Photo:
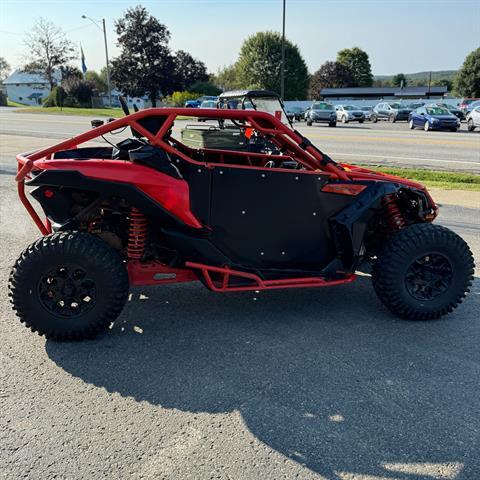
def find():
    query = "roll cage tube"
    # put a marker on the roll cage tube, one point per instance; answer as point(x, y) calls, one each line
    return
point(300, 147)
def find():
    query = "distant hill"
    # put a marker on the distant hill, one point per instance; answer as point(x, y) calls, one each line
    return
point(420, 77)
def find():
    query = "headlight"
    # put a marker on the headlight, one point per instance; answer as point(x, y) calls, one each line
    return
point(434, 120)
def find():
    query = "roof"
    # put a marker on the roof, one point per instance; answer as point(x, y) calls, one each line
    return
point(18, 76)
point(249, 93)
point(394, 91)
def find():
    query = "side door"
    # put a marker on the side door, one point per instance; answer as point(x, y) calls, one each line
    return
point(419, 117)
point(273, 218)
point(381, 110)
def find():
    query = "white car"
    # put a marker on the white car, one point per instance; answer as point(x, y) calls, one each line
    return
point(349, 113)
point(473, 119)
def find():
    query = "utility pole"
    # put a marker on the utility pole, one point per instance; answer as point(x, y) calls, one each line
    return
point(282, 66)
point(103, 28)
point(108, 67)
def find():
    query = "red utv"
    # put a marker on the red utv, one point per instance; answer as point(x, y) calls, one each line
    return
point(150, 210)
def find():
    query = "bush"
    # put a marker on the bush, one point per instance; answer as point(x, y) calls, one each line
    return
point(79, 90)
point(56, 98)
point(178, 99)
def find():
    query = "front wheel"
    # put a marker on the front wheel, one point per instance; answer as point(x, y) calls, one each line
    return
point(392, 118)
point(344, 119)
point(68, 286)
point(470, 125)
point(374, 119)
point(426, 126)
point(411, 124)
point(423, 272)
point(332, 124)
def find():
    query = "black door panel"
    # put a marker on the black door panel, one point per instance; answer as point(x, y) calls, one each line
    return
point(273, 219)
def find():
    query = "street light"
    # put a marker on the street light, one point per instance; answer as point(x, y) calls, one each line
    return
point(106, 53)
point(282, 65)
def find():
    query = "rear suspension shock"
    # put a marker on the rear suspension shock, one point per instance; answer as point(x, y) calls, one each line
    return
point(137, 234)
point(395, 217)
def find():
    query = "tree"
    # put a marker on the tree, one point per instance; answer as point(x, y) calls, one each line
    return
point(48, 49)
point(330, 75)
point(4, 69)
point(227, 78)
point(68, 71)
point(357, 61)
point(205, 88)
point(399, 80)
point(96, 80)
point(259, 62)
point(189, 70)
point(467, 80)
point(145, 65)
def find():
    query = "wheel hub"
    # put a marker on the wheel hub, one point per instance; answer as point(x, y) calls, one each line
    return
point(429, 276)
point(67, 291)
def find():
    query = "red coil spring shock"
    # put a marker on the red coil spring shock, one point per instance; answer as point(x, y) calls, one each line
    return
point(394, 215)
point(137, 234)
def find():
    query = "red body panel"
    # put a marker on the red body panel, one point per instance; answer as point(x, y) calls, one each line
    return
point(171, 193)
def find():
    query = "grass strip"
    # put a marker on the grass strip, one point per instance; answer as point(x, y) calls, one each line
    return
point(434, 178)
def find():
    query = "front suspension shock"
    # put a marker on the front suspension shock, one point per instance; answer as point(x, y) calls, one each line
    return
point(395, 218)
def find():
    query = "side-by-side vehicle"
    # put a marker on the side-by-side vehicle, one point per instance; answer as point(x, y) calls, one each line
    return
point(150, 210)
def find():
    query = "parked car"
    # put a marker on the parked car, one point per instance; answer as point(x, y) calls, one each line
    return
point(196, 103)
point(295, 113)
point(416, 105)
point(321, 112)
point(349, 113)
point(473, 119)
point(452, 109)
point(433, 118)
point(466, 105)
point(391, 111)
point(367, 111)
point(207, 104)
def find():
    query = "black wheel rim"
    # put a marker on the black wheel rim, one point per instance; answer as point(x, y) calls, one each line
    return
point(67, 291)
point(429, 276)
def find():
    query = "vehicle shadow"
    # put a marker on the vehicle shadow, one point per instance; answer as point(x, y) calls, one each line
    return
point(324, 376)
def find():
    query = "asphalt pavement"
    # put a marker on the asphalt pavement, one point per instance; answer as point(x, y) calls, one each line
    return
point(381, 143)
point(189, 384)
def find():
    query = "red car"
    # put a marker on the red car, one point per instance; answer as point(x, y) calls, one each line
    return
point(150, 210)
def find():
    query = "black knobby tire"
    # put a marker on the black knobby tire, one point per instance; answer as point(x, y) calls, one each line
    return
point(68, 286)
point(392, 275)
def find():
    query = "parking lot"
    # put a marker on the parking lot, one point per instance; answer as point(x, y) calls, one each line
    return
point(309, 384)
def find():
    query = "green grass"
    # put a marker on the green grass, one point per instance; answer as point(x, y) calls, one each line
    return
point(435, 179)
point(14, 104)
point(106, 112)
point(94, 112)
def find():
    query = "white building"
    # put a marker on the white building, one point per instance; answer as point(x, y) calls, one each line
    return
point(140, 102)
point(28, 88)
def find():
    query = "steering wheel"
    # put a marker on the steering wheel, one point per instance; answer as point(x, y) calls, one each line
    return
point(124, 105)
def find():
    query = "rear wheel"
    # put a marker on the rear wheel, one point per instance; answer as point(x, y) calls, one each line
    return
point(68, 286)
point(392, 118)
point(360, 121)
point(332, 124)
point(374, 119)
point(423, 272)
point(309, 122)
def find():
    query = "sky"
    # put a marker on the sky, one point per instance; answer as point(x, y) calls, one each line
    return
point(399, 35)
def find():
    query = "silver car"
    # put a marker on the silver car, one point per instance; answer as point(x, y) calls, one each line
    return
point(473, 119)
point(349, 113)
point(321, 112)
